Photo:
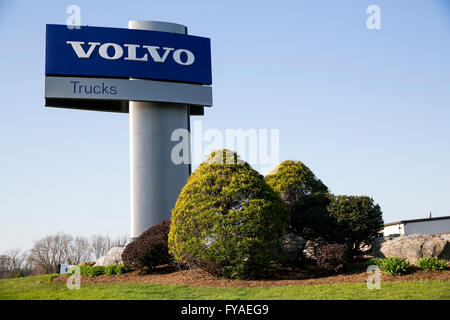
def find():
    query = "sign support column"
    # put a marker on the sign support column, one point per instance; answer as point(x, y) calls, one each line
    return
point(155, 181)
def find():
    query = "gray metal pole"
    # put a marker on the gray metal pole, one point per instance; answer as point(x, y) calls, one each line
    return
point(155, 180)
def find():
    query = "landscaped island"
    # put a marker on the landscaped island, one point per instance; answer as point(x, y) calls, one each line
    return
point(235, 234)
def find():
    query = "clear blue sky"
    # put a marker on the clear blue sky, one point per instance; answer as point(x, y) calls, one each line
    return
point(367, 111)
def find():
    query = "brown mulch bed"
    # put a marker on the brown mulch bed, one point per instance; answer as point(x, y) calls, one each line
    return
point(300, 275)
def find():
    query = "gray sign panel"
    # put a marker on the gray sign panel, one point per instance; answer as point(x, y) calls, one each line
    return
point(127, 90)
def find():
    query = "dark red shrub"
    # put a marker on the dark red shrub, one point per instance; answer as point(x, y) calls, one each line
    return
point(332, 257)
point(149, 249)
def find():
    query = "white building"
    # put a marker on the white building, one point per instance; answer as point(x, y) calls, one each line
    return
point(418, 226)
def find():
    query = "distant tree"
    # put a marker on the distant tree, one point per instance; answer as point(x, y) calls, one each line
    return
point(80, 250)
point(3, 266)
point(48, 253)
point(101, 244)
point(16, 259)
point(119, 241)
point(13, 264)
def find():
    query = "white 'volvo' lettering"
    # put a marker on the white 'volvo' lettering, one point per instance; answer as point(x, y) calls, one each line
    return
point(114, 51)
point(76, 45)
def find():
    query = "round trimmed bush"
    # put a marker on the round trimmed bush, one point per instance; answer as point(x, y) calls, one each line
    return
point(149, 249)
point(223, 156)
point(227, 220)
point(292, 180)
point(357, 220)
point(310, 217)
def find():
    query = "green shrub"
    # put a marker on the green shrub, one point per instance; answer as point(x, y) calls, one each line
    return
point(356, 219)
point(310, 218)
point(120, 269)
point(223, 156)
point(113, 269)
point(316, 214)
point(97, 271)
point(431, 263)
point(94, 271)
point(227, 220)
point(85, 270)
point(349, 220)
point(292, 180)
point(395, 266)
point(375, 262)
point(110, 270)
point(89, 270)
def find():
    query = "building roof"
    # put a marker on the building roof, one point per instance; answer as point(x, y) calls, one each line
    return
point(416, 220)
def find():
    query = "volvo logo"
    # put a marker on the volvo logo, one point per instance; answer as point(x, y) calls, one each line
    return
point(114, 51)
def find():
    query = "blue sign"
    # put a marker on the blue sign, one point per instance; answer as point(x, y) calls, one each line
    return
point(125, 53)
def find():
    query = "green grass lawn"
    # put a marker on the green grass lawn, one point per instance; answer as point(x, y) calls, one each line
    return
point(39, 287)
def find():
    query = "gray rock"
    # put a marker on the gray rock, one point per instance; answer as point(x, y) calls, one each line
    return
point(292, 247)
point(413, 247)
point(113, 256)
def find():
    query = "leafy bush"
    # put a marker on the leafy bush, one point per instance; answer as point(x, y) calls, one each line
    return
point(395, 266)
point(223, 156)
point(120, 269)
point(332, 257)
point(292, 180)
point(227, 220)
point(431, 263)
point(94, 271)
point(310, 218)
point(149, 250)
point(314, 213)
point(85, 270)
point(347, 220)
point(375, 262)
point(114, 269)
point(97, 271)
point(110, 270)
point(356, 220)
